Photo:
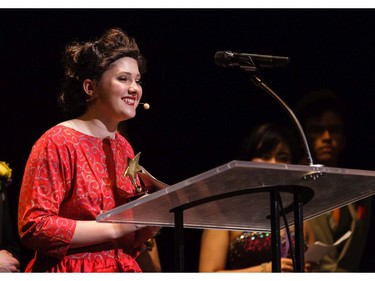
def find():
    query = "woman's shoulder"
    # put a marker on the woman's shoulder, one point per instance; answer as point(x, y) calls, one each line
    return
point(58, 130)
point(58, 135)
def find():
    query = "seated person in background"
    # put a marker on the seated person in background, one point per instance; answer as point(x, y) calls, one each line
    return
point(321, 114)
point(239, 251)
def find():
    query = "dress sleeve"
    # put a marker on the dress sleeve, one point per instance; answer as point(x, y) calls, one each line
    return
point(44, 186)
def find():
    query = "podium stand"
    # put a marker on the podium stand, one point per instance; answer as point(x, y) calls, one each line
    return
point(241, 195)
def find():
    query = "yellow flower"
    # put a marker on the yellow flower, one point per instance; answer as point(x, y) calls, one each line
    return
point(5, 171)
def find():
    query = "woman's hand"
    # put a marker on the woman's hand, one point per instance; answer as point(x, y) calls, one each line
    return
point(8, 263)
point(145, 233)
point(312, 267)
point(286, 265)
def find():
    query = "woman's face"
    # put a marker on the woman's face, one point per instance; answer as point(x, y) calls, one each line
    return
point(280, 154)
point(119, 90)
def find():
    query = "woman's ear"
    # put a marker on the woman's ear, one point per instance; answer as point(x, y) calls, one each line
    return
point(88, 87)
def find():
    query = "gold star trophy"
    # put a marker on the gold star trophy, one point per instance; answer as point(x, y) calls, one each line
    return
point(148, 182)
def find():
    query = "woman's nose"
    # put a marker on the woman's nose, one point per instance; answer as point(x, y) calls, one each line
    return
point(326, 134)
point(133, 90)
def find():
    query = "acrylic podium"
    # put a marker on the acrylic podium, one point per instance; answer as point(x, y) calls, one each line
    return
point(242, 195)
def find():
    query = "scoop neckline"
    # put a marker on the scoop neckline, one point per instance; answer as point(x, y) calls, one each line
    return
point(84, 134)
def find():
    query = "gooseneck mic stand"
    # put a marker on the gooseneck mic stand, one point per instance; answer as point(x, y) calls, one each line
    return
point(259, 83)
point(251, 64)
point(275, 196)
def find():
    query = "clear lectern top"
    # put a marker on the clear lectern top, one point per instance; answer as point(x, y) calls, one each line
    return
point(248, 207)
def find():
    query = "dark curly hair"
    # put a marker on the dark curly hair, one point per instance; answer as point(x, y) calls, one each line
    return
point(264, 138)
point(89, 60)
point(315, 103)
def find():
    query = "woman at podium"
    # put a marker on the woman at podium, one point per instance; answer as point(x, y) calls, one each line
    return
point(83, 166)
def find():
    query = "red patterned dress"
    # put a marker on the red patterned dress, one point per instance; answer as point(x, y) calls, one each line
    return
point(71, 176)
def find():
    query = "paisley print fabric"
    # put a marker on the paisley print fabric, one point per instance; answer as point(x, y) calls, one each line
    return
point(71, 176)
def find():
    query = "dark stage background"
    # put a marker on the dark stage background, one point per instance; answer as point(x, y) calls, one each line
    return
point(199, 111)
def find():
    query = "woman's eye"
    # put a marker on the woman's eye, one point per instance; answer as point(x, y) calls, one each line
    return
point(123, 78)
point(139, 82)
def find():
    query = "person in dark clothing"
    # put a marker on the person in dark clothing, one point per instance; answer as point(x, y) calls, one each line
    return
point(323, 114)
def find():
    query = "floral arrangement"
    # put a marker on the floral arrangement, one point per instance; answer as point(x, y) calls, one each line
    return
point(5, 175)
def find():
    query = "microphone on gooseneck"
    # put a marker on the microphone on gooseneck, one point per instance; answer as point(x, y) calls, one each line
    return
point(243, 60)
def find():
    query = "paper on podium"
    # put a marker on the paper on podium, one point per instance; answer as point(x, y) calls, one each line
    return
point(319, 249)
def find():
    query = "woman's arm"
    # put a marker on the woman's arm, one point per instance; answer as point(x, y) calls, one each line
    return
point(91, 232)
point(214, 249)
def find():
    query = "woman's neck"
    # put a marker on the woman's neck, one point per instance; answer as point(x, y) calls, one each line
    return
point(92, 127)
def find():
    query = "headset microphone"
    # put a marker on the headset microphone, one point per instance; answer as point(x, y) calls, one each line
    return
point(145, 105)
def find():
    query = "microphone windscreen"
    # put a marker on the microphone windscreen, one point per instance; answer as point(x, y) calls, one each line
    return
point(219, 58)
